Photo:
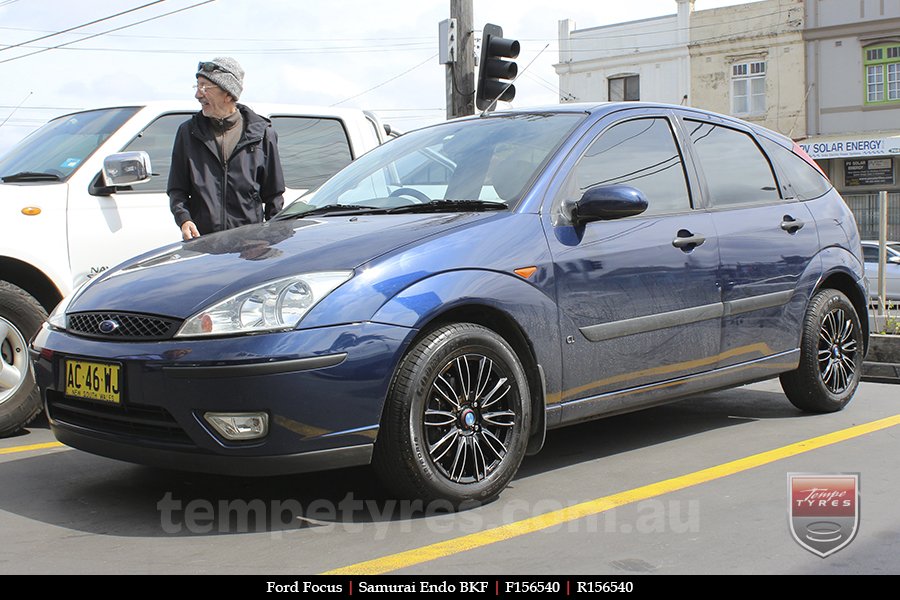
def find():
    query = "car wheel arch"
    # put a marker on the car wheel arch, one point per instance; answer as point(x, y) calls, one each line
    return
point(506, 327)
point(844, 283)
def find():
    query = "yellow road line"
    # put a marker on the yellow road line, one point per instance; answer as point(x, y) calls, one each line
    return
point(431, 552)
point(15, 449)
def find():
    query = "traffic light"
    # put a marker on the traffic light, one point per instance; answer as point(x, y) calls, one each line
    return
point(495, 72)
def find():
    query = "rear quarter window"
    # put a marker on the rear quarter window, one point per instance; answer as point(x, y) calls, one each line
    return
point(807, 182)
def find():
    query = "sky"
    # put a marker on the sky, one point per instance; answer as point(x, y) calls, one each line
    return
point(380, 56)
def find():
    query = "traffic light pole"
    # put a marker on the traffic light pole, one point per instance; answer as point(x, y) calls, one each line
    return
point(461, 73)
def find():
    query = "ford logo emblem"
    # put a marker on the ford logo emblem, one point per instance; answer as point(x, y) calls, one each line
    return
point(108, 326)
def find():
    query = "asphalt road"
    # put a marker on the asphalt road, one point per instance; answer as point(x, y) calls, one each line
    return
point(696, 487)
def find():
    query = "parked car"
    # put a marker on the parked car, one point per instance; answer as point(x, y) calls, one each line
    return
point(450, 296)
point(64, 222)
point(891, 268)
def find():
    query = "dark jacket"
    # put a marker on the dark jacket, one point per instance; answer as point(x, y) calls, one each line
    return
point(214, 196)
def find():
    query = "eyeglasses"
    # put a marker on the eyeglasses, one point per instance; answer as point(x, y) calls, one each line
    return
point(203, 87)
point(209, 67)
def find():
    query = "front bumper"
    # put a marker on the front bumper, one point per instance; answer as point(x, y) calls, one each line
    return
point(323, 389)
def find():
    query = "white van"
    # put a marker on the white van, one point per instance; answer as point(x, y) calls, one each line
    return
point(61, 223)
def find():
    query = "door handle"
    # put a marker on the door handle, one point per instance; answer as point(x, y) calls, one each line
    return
point(687, 241)
point(790, 224)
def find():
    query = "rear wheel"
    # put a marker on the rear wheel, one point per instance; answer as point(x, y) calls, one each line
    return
point(20, 318)
point(831, 355)
point(456, 421)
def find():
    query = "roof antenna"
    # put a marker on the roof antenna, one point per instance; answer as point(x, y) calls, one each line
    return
point(493, 102)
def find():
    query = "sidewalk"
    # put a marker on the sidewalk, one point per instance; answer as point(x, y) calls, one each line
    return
point(882, 362)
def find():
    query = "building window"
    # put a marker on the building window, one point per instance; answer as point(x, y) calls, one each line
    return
point(626, 88)
point(748, 88)
point(882, 65)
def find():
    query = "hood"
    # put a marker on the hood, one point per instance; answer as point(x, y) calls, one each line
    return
point(179, 280)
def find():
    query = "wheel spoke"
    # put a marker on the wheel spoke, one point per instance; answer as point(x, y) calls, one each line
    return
point(841, 377)
point(848, 363)
point(465, 379)
point(489, 398)
point(446, 441)
point(4, 330)
point(478, 459)
point(485, 367)
point(828, 373)
point(459, 460)
point(10, 376)
point(825, 333)
point(439, 418)
point(494, 443)
point(502, 418)
point(448, 397)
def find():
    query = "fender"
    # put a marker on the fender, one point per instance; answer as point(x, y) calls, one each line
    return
point(525, 305)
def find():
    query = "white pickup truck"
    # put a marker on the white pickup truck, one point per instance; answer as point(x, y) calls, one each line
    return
point(61, 222)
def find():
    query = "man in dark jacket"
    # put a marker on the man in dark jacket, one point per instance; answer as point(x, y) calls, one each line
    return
point(226, 171)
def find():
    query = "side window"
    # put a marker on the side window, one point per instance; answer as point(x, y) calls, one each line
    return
point(311, 150)
point(736, 170)
point(807, 182)
point(641, 153)
point(157, 140)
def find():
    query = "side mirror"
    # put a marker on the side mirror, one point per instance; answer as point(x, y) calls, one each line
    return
point(126, 168)
point(607, 202)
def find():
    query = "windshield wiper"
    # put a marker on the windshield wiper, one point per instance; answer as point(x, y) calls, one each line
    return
point(30, 176)
point(334, 209)
point(450, 206)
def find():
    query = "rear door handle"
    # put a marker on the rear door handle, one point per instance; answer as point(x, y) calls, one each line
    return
point(790, 224)
point(687, 241)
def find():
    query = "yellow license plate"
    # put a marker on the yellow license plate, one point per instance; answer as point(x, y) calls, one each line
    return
point(96, 381)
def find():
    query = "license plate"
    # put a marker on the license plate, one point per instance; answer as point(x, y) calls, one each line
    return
point(95, 381)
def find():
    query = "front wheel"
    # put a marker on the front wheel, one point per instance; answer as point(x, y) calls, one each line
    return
point(456, 423)
point(20, 318)
point(831, 355)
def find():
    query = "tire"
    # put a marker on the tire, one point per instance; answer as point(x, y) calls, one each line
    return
point(455, 425)
point(831, 355)
point(20, 318)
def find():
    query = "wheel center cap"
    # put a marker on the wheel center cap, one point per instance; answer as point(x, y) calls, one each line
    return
point(468, 418)
point(837, 352)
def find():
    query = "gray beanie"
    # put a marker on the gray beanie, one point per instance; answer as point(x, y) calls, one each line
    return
point(225, 72)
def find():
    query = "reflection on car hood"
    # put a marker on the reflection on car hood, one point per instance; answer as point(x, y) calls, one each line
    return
point(181, 279)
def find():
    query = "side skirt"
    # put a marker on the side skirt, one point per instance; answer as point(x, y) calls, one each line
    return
point(663, 392)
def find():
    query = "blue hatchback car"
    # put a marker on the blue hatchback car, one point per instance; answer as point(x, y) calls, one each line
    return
point(447, 298)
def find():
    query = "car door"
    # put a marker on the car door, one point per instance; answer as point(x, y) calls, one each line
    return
point(767, 241)
point(106, 229)
point(638, 300)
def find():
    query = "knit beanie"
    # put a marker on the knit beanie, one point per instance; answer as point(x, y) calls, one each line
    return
point(225, 72)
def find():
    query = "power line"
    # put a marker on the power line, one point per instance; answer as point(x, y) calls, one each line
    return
point(49, 35)
point(109, 31)
point(387, 81)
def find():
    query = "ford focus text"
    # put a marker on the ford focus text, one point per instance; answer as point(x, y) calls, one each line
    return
point(450, 296)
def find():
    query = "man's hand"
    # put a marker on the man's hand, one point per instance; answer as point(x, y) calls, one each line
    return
point(189, 231)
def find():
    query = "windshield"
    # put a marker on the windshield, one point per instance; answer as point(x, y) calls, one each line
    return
point(490, 160)
point(54, 151)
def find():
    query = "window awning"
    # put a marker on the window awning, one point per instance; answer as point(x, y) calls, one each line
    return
point(849, 145)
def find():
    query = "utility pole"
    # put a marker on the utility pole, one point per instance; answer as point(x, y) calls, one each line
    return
point(460, 81)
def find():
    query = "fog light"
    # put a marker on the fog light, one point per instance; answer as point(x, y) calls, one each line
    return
point(239, 426)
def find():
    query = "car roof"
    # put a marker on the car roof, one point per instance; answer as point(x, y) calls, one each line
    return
point(604, 108)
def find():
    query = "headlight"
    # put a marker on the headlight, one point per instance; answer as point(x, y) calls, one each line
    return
point(57, 318)
point(275, 305)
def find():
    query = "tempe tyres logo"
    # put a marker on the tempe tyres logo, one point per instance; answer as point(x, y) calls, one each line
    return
point(824, 510)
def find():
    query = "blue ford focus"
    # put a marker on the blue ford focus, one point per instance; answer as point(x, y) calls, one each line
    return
point(446, 299)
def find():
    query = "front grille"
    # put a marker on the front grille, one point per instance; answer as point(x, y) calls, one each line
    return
point(122, 326)
point(133, 420)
